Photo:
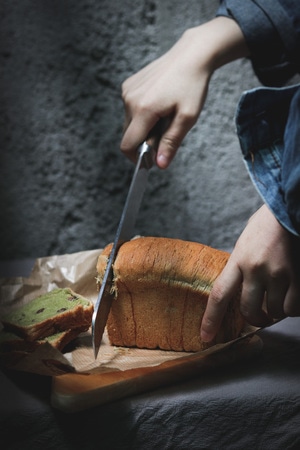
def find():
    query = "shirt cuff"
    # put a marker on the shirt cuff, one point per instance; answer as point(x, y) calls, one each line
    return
point(267, 52)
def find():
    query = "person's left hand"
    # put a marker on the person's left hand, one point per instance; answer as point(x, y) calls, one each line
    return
point(263, 265)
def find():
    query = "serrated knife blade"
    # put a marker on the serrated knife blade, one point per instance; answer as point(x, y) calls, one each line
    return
point(146, 155)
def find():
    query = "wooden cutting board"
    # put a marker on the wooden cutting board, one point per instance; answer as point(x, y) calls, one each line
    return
point(78, 391)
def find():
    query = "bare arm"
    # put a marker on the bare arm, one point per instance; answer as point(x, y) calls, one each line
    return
point(175, 86)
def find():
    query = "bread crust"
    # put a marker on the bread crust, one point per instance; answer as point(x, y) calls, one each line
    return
point(161, 287)
point(72, 311)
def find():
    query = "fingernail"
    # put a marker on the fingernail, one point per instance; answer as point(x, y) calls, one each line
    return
point(162, 161)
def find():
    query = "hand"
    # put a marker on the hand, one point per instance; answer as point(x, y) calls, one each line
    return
point(174, 87)
point(264, 266)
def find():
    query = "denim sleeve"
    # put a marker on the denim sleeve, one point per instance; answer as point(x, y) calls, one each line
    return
point(267, 123)
point(290, 172)
point(272, 32)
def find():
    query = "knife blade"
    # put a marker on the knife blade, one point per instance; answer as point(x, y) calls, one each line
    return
point(146, 156)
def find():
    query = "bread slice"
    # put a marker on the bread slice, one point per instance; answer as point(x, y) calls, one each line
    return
point(161, 287)
point(62, 339)
point(10, 342)
point(50, 313)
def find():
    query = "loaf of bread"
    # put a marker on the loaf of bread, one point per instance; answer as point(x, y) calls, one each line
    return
point(160, 289)
point(50, 313)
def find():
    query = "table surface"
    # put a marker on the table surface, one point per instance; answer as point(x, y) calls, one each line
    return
point(254, 404)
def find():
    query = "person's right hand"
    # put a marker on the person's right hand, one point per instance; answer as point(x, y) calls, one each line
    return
point(174, 86)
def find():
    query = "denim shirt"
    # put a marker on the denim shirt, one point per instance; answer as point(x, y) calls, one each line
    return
point(268, 118)
point(272, 31)
point(268, 127)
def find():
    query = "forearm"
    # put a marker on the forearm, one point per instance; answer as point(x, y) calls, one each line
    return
point(219, 41)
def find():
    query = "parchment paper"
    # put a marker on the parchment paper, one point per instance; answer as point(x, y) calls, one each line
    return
point(77, 271)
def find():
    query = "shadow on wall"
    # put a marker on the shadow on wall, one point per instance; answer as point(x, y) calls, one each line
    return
point(63, 178)
point(62, 174)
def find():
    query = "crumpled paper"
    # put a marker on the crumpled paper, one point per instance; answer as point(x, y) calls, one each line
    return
point(77, 271)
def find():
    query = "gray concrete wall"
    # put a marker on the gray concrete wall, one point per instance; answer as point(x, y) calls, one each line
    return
point(63, 180)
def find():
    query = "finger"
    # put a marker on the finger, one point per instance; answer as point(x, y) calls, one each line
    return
point(291, 305)
point(251, 302)
point(292, 298)
point(172, 138)
point(127, 120)
point(275, 297)
point(224, 289)
point(136, 133)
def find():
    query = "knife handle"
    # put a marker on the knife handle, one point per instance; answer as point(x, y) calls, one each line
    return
point(149, 147)
point(146, 155)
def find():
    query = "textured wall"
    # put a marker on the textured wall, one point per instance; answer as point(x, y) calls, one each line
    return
point(63, 179)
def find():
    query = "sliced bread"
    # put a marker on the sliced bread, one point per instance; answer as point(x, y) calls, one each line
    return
point(49, 314)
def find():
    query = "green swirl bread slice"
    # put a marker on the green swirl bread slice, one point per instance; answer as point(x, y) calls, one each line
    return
point(50, 313)
point(10, 342)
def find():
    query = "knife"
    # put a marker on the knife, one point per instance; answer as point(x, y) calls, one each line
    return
point(146, 157)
